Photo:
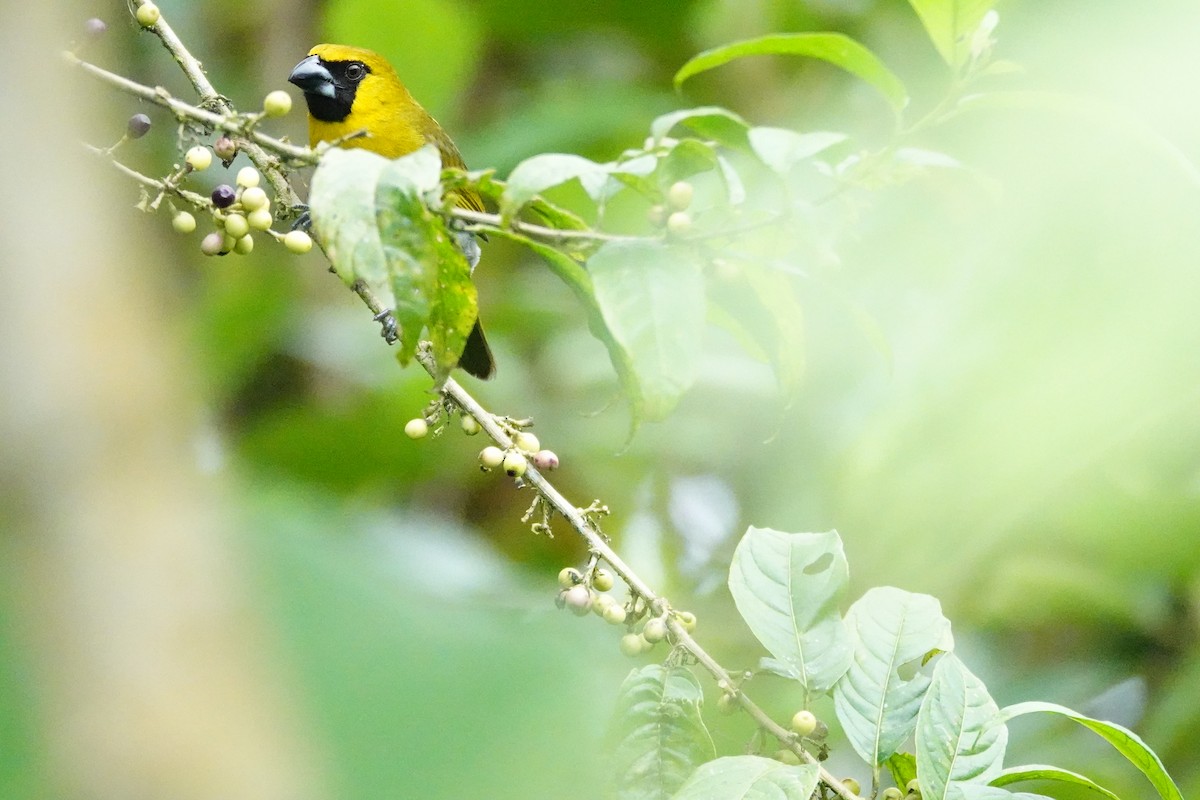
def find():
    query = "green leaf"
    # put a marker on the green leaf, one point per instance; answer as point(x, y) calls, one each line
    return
point(658, 737)
point(371, 215)
point(787, 586)
point(950, 24)
point(539, 173)
point(960, 736)
point(1127, 743)
point(721, 125)
point(903, 767)
point(1045, 772)
point(979, 791)
point(834, 48)
point(750, 778)
point(878, 698)
point(577, 279)
point(652, 299)
point(781, 149)
point(429, 276)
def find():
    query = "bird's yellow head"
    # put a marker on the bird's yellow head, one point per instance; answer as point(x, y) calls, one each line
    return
point(350, 89)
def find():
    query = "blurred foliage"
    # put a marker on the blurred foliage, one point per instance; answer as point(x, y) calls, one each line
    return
point(998, 404)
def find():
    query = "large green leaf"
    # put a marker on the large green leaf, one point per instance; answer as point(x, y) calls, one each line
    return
point(981, 791)
point(961, 736)
point(781, 148)
point(371, 216)
point(658, 736)
point(750, 778)
point(878, 698)
point(1045, 772)
point(652, 299)
point(1128, 743)
point(834, 48)
point(541, 172)
point(787, 587)
point(710, 122)
point(950, 24)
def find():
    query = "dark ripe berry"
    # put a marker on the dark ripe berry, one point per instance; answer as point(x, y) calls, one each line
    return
point(225, 148)
point(139, 125)
point(223, 196)
point(95, 26)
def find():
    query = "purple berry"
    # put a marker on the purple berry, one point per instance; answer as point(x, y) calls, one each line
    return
point(95, 26)
point(139, 125)
point(223, 196)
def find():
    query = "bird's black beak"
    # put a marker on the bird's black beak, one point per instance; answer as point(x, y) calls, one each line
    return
point(313, 78)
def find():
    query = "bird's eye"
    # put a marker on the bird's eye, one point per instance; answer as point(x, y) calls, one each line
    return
point(356, 72)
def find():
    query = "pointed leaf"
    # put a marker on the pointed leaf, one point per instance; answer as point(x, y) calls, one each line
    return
point(750, 778)
point(541, 172)
point(960, 734)
point(1045, 772)
point(878, 698)
point(781, 149)
point(903, 767)
point(787, 587)
point(1128, 743)
point(658, 737)
point(950, 24)
point(652, 299)
point(710, 122)
point(834, 48)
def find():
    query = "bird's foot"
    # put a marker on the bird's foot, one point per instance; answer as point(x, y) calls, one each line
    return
point(388, 324)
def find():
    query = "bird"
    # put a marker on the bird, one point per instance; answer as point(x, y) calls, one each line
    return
point(351, 90)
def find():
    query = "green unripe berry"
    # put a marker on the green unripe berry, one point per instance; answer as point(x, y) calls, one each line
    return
point(148, 14)
point(614, 614)
point(657, 215)
point(892, 793)
point(852, 785)
point(470, 425)
point(416, 428)
point(514, 464)
point(199, 157)
point(491, 457)
point(601, 603)
point(913, 787)
point(260, 219)
point(804, 722)
point(679, 196)
point(298, 242)
point(727, 704)
point(236, 226)
point(244, 245)
point(277, 103)
point(679, 222)
point(687, 619)
point(602, 580)
point(787, 757)
point(526, 442)
point(632, 644)
point(655, 630)
point(567, 576)
point(183, 222)
point(247, 177)
point(212, 244)
point(254, 198)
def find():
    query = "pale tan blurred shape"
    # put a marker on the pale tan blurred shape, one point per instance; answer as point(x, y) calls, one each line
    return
point(154, 674)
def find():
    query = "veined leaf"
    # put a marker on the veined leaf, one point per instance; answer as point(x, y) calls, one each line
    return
point(834, 48)
point(710, 122)
point(787, 586)
point(1045, 772)
point(658, 735)
point(950, 24)
point(539, 173)
point(961, 736)
point(652, 300)
point(749, 778)
point(1127, 743)
point(878, 698)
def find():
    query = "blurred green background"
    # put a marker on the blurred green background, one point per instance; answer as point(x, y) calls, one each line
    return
point(1000, 405)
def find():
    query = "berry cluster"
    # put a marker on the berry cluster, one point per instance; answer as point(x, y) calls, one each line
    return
point(673, 213)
